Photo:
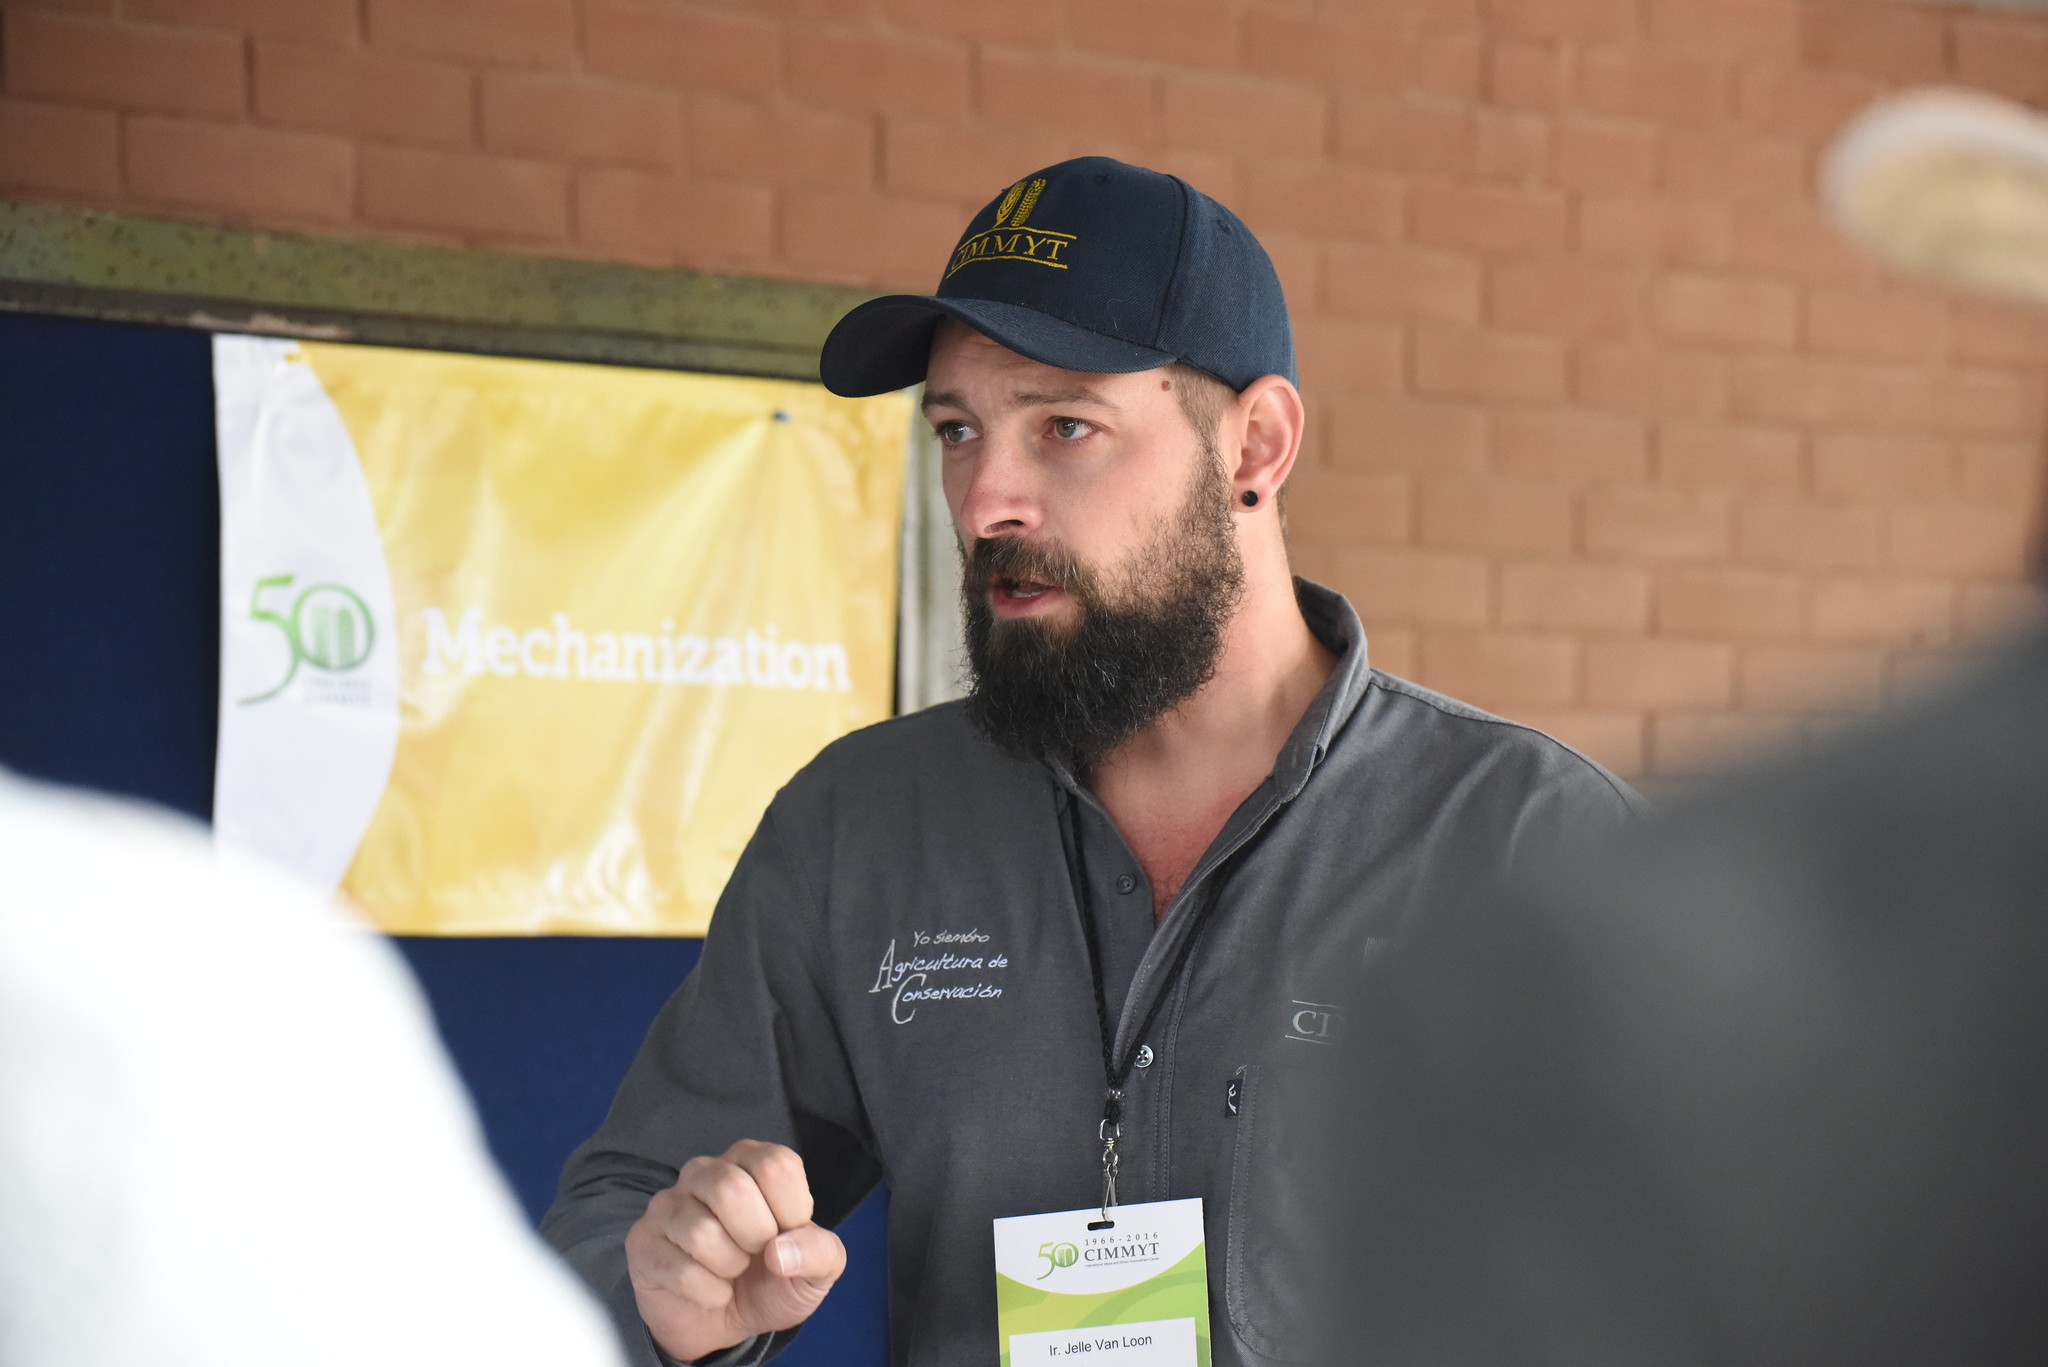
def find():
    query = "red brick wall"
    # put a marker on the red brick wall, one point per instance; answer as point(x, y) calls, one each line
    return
point(1609, 432)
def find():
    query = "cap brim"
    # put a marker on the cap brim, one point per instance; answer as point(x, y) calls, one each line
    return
point(1948, 184)
point(886, 343)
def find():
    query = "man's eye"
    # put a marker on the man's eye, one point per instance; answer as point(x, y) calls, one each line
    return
point(953, 433)
point(1070, 429)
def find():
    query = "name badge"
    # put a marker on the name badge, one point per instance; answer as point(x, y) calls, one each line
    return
point(1134, 1294)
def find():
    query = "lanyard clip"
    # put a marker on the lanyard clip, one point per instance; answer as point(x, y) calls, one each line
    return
point(1108, 1132)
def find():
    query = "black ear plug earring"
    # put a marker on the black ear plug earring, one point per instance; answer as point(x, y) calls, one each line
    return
point(1251, 498)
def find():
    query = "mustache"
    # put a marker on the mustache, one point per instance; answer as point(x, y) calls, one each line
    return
point(1011, 557)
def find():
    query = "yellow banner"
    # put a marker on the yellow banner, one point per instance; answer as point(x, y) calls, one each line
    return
point(626, 606)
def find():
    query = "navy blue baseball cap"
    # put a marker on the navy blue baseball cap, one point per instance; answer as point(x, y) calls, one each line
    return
point(1090, 265)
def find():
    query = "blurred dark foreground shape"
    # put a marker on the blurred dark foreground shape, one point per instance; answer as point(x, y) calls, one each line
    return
point(1767, 1083)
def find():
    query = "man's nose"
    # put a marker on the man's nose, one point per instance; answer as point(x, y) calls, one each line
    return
point(1002, 496)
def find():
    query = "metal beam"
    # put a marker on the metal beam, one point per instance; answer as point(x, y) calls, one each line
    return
point(92, 263)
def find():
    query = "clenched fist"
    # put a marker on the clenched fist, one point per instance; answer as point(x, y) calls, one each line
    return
point(729, 1251)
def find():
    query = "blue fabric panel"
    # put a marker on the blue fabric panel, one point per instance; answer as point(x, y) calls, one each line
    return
point(109, 674)
point(109, 558)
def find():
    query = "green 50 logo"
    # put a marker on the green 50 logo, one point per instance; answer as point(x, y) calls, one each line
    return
point(327, 626)
point(1057, 1256)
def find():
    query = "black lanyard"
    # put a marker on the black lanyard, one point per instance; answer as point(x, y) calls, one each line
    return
point(1116, 1072)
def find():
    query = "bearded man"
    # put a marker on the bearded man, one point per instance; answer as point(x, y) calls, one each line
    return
point(1071, 941)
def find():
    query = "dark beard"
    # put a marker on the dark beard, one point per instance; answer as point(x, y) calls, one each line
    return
point(1074, 691)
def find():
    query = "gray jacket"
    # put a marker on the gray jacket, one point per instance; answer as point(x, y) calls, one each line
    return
point(897, 985)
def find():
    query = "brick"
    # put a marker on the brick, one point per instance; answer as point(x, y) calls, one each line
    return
point(59, 149)
point(1734, 166)
point(1178, 33)
point(1712, 456)
point(1652, 524)
point(1659, 674)
point(2005, 474)
point(1494, 515)
point(1384, 434)
point(1497, 670)
point(1510, 146)
point(1470, 363)
point(696, 51)
point(1527, 75)
point(1392, 133)
point(522, 33)
point(1885, 610)
point(1447, 65)
point(465, 193)
point(1660, 88)
point(1570, 447)
point(1989, 403)
point(738, 140)
point(1818, 391)
point(1347, 509)
point(362, 93)
point(1800, 102)
point(553, 116)
point(1397, 283)
point(238, 168)
point(936, 159)
point(1564, 298)
point(1106, 101)
point(1604, 154)
point(1965, 540)
point(1574, 597)
point(1793, 243)
point(865, 237)
point(1861, 467)
point(1487, 219)
point(1905, 325)
point(1991, 609)
point(1582, 20)
point(1029, 25)
point(1998, 333)
point(1350, 356)
point(1744, 30)
point(1648, 231)
point(1803, 535)
point(1363, 52)
point(1613, 739)
point(1316, 197)
point(1730, 604)
point(870, 74)
point(1702, 308)
point(1394, 650)
point(1410, 586)
point(1235, 115)
point(666, 219)
point(130, 67)
point(1893, 42)
point(1659, 381)
point(332, 21)
point(1683, 743)
point(2008, 55)
point(1808, 677)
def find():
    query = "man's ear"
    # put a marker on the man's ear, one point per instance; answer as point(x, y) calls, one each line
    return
point(1270, 415)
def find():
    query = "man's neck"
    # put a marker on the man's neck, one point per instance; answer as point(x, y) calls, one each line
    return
point(1171, 787)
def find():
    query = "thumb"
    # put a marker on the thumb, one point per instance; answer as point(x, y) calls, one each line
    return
point(809, 1253)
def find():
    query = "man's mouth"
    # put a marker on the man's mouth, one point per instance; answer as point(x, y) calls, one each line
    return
point(1020, 588)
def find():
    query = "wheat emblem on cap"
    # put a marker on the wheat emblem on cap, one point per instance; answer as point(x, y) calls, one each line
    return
point(1028, 191)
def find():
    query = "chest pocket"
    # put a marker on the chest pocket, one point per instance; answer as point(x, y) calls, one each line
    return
point(1275, 1209)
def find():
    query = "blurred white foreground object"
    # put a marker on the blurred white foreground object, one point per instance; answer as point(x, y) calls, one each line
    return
point(228, 1135)
point(1950, 184)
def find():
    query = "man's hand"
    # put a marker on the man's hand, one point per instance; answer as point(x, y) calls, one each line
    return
point(729, 1251)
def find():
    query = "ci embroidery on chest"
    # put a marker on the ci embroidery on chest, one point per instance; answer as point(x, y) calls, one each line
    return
point(940, 967)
